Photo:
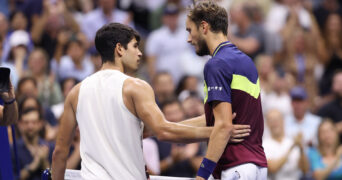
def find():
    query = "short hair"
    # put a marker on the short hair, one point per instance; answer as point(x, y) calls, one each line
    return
point(109, 36)
point(29, 110)
point(208, 11)
point(170, 101)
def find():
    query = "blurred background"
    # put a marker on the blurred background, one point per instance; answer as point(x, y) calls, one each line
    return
point(296, 46)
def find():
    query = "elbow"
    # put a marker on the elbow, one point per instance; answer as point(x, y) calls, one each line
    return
point(164, 133)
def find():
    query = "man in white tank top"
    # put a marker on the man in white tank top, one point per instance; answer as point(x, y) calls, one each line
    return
point(109, 108)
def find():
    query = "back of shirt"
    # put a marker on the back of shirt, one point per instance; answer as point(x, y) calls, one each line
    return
point(231, 76)
point(111, 146)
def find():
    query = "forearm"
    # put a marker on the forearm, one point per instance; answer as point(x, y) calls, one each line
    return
point(175, 132)
point(74, 159)
point(71, 21)
point(59, 160)
point(275, 165)
point(30, 168)
point(196, 121)
point(10, 114)
point(218, 141)
point(38, 28)
point(303, 161)
point(324, 173)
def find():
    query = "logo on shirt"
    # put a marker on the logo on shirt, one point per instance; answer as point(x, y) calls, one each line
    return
point(215, 88)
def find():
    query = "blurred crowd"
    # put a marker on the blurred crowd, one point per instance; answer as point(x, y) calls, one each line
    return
point(295, 44)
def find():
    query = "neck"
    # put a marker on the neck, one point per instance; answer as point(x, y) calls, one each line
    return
point(299, 117)
point(112, 66)
point(328, 150)
point(278, 137)
point(214, 40)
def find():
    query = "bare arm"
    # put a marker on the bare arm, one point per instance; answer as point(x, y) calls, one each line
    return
point(248, 45)
point(8, 112)
point(275, 165)
point(65, 135)
point(239, 131)
point(151, 66)
point(324, 173)
point(222, 131)
point(142, 97)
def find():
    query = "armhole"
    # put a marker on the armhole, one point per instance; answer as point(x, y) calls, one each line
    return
point(122, 99)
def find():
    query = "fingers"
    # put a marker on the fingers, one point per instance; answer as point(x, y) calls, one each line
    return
point(234, 115)
point(240, 135)
point(233, 140)
point(241, 131)
point(240, 126)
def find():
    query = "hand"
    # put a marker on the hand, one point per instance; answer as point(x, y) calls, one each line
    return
point(10, 95)
point(298, 139)
point(199, 178)
point(176, 153)
point(239, 132)
point(43, 152)
point(19, 53)
point(63, 37)
point(339, 151)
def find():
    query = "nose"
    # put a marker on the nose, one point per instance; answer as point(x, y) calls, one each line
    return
point(139, 53)
point(189, 39)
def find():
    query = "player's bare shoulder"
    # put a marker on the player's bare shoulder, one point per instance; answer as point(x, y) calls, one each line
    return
point(136, 87)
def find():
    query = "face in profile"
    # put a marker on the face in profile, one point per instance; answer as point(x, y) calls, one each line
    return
point(131, 56)
point(195, 38)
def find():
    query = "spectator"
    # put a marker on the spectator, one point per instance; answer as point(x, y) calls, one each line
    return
point(163, 87)
point(49, 92)
point(249, 36)
point(189, 83)
point(333, 110)
point(286, 158)
point(192, 105)
point(66, 85)
point(54, 18)
point(326, 8)
point(301, 121)
point(177, 159)
point(326, 158)
point(34, 153)
point(18, 52)
point(104, 14)
point(278, 97)
point(49, 131)
point(76, 63)
point(330, 51)
point(166, 45)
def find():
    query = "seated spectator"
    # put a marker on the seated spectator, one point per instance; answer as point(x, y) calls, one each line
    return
point(333, 110)
point(326, 159)
point(106, 12)
point(50, 128)
point(330, 51)
point(66, 85)
point(33, 152)
point(301, 121)
point(177, 159)
point(286, 159)
point(166, 46)
point(189, 83)
point(18, 53)
point(49, 92)
point(249, 36)
point(76, 63)
point(163, 87)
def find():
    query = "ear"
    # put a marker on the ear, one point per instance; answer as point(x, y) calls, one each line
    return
point(204, 27)
point(119, 49)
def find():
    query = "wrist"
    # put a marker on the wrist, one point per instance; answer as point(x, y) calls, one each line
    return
point(206, 169)
point(10, 101)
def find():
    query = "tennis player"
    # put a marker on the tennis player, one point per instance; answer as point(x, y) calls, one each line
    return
point(231, 85)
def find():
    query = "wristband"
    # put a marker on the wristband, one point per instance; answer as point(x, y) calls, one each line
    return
point(207, 167)
point(10, 102)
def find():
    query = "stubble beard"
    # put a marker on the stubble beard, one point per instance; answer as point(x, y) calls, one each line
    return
point(203, 49)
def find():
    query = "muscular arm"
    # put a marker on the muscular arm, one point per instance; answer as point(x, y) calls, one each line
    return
point(65, 135)
point(222, 130)
point(198, 121)
point(142, 97)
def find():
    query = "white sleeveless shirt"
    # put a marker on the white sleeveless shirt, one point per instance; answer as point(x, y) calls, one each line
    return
point(111, 136)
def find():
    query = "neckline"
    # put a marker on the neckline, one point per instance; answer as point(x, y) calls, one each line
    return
point(221, 45)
